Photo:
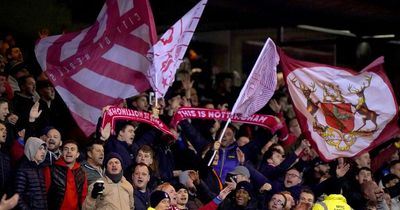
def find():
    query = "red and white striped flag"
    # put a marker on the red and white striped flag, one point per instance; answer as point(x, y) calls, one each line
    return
point(103, 63)
point(170, 49)
point(261, 83)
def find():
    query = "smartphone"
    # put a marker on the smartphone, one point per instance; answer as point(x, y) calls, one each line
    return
point(151, 98)
point(229, 176)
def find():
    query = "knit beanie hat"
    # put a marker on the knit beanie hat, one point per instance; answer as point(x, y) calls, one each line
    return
point(111, 155)
point(32, 145)
point(156, 197)
point(245, 186)
point(114, 177)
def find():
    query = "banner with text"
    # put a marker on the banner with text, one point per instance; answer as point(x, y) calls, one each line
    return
point(117, 113)
point(267, 121)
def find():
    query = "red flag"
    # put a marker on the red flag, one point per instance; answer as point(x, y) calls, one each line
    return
point(170, 49)
point(102, 64)
point(261, 83)
point(343, 112)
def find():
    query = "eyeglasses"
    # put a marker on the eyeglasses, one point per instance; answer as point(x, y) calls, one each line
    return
point(292, 175)
point(277, 201)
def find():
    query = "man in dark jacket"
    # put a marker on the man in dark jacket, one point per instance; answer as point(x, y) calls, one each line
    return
point(140, 179)
point(30, 178)
point(121, 144)
point(65, 180)
point(5, 168)
point(93, 165)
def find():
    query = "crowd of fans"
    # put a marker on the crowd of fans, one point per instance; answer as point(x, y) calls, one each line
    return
point(43, 166)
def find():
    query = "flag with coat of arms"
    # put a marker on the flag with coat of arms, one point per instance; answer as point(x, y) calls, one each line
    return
point(342, 111)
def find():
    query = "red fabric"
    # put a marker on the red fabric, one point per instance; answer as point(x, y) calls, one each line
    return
point(287, 139)
point(209, 206)
point(17, 152)
point(383, 157)
point(71, 199)
point(267, 121)
point(9, 94)
point(117, 113)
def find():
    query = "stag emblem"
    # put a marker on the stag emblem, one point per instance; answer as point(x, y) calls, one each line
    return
point(337, 126)
point(361, 108)
point(312, 107)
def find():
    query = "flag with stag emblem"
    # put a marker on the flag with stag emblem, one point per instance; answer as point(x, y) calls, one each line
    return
point(102, 64)
point(170, 49)
point(342, 111)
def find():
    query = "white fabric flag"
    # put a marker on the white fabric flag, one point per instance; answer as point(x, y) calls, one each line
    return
point(261, 83)
point(168, 52)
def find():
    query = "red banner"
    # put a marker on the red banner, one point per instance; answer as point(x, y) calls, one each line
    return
point(267, 121)
point(117, 113)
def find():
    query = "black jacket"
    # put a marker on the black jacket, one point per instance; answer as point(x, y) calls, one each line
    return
point(30, 186)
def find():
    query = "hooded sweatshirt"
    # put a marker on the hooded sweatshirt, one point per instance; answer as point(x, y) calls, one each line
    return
point(32, 145)
point(29, 179)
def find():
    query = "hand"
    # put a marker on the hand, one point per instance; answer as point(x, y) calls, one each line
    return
point(240, 156)
point(177, 173)
point(6, 204)
point(266, 187)
point(12, 119)
point(97, 189)
point(225, 192)
point(35, 112)
point(194, 175)
point(106, 108)
point(186, 101)
point(342, 168)
point(379, 193)
point(155, 111)
point(105, 132)
point(187, 84)
point(217, 145)
point(304, 145)
point(275, 106)
point(43, 33)
point(231, 184)
point(272, 141)
point(21, 133)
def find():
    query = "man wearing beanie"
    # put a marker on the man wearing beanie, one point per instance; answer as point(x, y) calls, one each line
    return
point(243, 199)
point(112, 191)
point(159, 200)
point(29, 181)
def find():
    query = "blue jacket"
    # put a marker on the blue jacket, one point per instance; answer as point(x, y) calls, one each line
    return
point(142, 200)
point(227, 161)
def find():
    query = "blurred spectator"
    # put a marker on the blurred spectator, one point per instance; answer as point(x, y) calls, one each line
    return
point(93, 165)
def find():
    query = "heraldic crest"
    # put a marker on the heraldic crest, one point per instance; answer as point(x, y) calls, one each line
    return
point(338, 127)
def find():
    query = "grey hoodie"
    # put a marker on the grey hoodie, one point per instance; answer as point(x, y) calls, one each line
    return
point(32, 145)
